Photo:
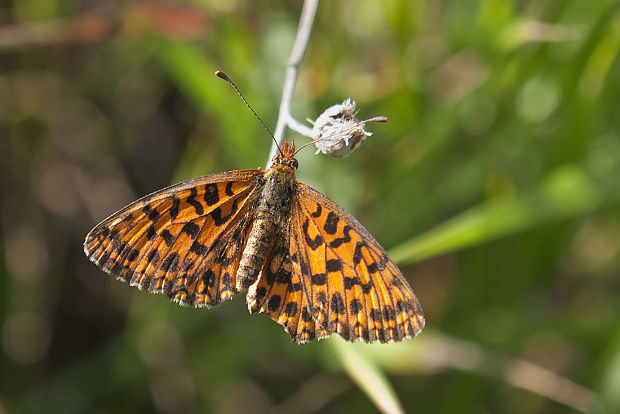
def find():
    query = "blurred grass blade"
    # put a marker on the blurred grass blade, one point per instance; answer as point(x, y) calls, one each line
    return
point(189, 69)
point(367, 375)
point(610, 383)
point(192, 73)
point(434, 352)
point(568, 191)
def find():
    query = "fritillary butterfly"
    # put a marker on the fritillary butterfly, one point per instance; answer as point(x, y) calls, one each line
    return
point(305, 261)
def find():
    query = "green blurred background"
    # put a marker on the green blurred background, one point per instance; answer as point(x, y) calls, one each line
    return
point(495, 185)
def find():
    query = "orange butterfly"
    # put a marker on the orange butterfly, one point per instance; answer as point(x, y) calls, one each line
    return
point(306, 262)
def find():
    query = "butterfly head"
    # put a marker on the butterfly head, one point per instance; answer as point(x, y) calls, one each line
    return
point(286, 156)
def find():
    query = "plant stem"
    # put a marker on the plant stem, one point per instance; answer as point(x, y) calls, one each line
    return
point(301, 41)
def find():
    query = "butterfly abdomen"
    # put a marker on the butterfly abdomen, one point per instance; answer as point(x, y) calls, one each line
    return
point(273, 209)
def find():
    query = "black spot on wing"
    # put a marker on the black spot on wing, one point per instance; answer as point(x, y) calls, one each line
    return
point(349, 282)
point(291, 309)
point(305, 315)
point(312, 243)
point(357, 255)
point(282, 276)
point(152, 214)
point(318, 211)
point(304, 267)
point(375, 314)
point(209, 278)
point(388, 313)
point(211, 194)
point(229, 192)
point(198, 248)
point(227, 280)
point(170, 263)
point(191, 229)
point(396, 282)
point(340, 240)
point(168, 237)
point(153, 256)
point(366, 288)
point(319, 279)
point(133, 255)
point(331, 224)
point(376, 266)
point(217, 214)
point(333, 265)
point(151, 232)
point(174, 209)
point(191, 200)
point(337, 305)
point(356, 306)
point(104, 231)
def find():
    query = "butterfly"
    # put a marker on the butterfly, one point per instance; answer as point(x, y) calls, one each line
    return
point(304, 261)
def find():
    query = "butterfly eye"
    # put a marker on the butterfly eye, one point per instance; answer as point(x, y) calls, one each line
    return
point(294, 164)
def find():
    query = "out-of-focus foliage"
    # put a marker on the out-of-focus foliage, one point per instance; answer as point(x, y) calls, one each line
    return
point(495, 184)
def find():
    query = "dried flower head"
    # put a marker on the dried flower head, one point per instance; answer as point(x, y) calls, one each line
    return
point(337, 132)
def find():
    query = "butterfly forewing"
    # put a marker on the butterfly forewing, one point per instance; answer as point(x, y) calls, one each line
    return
point(179, 240)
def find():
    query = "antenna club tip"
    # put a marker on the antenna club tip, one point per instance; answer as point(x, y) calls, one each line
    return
point(221, 75)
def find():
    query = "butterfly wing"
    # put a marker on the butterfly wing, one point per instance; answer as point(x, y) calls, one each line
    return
point(185, 240)
point(279, 293)
point(351, 286)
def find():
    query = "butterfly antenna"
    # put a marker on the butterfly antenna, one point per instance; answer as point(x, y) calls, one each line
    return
point(222, 75)
point(366, 121)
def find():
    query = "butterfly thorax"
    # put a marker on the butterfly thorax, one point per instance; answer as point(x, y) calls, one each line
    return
point(271, 216)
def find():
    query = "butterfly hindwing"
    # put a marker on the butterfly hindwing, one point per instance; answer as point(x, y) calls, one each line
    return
point(184, 240)
point(279, 293)
point(352, 286)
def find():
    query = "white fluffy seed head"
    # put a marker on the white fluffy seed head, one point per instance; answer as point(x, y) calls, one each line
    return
point(337, 132)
